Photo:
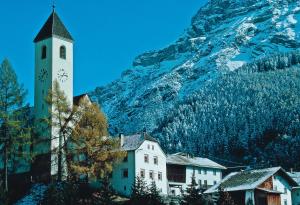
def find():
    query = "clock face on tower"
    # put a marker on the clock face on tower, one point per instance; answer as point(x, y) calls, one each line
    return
point(43, 75)
point(62, 75)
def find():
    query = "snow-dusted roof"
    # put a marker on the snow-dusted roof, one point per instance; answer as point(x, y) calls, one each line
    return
point(247, 180)
point(180, 159)
point(295, 176)
point(133, 142)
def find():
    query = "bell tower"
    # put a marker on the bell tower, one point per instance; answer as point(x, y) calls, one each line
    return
point(53, 62)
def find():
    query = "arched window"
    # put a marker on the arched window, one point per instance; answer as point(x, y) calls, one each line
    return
point(44, 52)
point(62, 52)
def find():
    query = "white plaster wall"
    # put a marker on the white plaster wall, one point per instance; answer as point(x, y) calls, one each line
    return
point(52, 63)
point(249, 195)
point(199, 175)
point(118, 182)
point(280, 183)
point(296, 196)
point(160, 167)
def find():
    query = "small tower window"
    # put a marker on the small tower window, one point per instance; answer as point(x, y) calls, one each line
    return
point(62, 52)
point(44, 52)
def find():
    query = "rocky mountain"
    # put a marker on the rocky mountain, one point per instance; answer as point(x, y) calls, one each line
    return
point(224, 35)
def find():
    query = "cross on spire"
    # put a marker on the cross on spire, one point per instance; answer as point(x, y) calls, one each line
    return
point(53, 5)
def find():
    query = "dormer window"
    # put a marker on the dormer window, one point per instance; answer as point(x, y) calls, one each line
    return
point(44, 52)
point(62, 52)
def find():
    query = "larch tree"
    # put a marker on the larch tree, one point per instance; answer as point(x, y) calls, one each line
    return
point(94, 153)
point(62, 117)
point(14, 134)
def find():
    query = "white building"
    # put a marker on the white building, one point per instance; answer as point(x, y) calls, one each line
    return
point(295, 190)
point(181, 168)
point(53, 62)
point(145, 159)
point(271, 186)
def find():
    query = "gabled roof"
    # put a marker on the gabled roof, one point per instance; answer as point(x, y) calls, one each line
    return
point(76, 99)
point(248, 180)
point(133, 142)
point(180, 159)
point(53, 27)
point(295, 176)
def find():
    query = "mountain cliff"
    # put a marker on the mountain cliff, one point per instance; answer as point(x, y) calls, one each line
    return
point(224, 36)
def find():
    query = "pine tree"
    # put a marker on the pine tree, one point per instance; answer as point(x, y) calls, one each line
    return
point(90, 140)
point(15, 137)
point(139, 192)
point(224, 198)
point(193, 196)
point(154, 196)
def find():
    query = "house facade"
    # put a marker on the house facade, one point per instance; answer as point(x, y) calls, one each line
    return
point(295, 190)
point(271, 186)
point(181, 168)
point(145, 159)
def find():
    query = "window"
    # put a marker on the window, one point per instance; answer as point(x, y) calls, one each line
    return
point(148, 146)
point(62, 52)
point(285, 190)
point(151, 175)
point(215, 182)
point(205, 171)
point(215, 172)
point(199, 171)
point(125, 159)
point(146, 158)
point(159, 176)
point(200, 183)
point(142, 173)
point(205, 183)
point(152, 147)
point(155, 159)
point(44, 52)
point(125, 173)
point(173, 192)
point(285, 202)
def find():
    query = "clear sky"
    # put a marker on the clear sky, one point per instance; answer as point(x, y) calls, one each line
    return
point(108, 34)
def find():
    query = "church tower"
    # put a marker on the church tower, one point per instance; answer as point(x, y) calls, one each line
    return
point(53, 62)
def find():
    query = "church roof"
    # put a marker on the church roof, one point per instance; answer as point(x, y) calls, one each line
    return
point(53, 27)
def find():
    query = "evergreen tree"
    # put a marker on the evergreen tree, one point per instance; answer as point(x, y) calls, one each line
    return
point(90, 140)
point(15, 137)
point(192, 195)
point(154, 196)
point(224, 198)
point(139, 192)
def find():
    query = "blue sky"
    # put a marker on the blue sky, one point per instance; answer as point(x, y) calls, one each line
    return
point(108, 34)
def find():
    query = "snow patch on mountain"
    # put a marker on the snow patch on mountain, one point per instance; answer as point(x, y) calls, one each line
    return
point(223, 36)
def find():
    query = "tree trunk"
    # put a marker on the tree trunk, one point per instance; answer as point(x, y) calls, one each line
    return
point(59, 163)
point(5, 168)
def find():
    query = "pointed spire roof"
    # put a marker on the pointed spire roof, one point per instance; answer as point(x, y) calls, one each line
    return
point(53, 27)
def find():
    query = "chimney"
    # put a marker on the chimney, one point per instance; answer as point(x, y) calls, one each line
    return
point(121, 137)
point(292, 171)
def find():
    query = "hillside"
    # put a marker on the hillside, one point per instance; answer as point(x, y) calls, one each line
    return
point(223, 36)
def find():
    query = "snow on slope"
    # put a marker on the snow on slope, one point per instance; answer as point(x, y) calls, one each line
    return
point(223, 36)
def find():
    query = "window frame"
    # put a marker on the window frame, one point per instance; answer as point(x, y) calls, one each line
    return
point(63, 52)
point(44, 52)
point(155, 160)
point(125, 176)
point(151, 174)
point(159, 176)
point(142, 173)
point(146, 158)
